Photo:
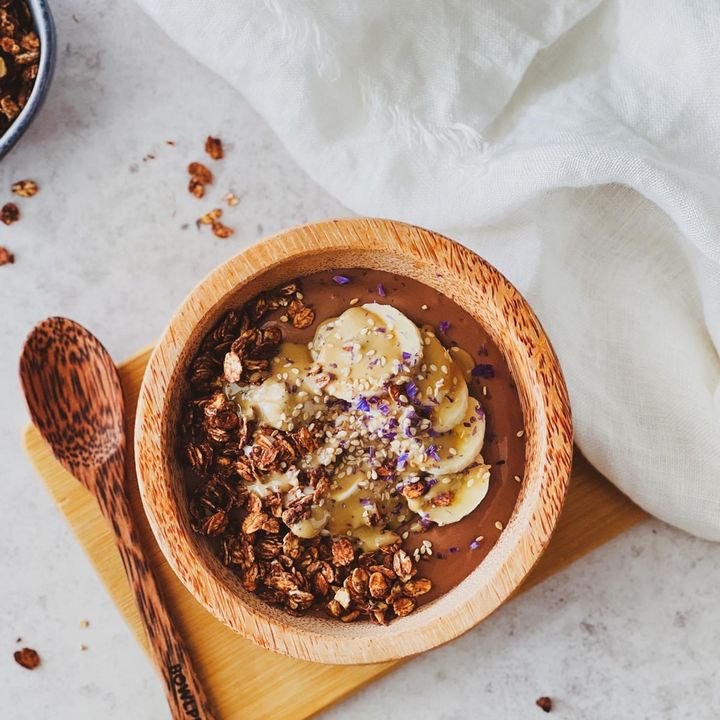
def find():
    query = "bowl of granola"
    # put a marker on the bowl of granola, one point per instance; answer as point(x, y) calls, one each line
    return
point(27, 61)
point(353, 441)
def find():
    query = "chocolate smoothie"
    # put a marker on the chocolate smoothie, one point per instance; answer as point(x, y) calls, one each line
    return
point(249, 531)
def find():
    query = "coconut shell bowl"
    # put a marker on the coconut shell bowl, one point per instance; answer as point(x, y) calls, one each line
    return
point(480, 290)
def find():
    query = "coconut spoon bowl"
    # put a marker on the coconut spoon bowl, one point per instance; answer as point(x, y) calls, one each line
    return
point(477, 288)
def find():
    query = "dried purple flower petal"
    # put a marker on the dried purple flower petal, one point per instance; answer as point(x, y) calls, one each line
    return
point(433, 453)
point(484, 370)
point(443, 326)
point(341, 279)
point(411, 390)
point(381, 290)
point(363, 404)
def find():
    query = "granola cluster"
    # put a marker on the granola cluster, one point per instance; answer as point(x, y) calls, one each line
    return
point(232, 458)
point(10, 212)
point(200, 176)
point(19, 59)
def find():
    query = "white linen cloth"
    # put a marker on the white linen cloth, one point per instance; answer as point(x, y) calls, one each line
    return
point(573, 143)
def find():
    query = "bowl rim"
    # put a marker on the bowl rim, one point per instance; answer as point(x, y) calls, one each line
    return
point(522, 541)
point(45, 26)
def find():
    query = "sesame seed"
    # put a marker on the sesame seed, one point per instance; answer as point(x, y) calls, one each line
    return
point(299, 295)
point(355, 301)
point(284, 318)
point(499, 525)
point(484, 389)
point(520, 433)
point(423, 307)
point(518, 478)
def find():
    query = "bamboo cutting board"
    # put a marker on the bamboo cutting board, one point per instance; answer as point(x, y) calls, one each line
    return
point(248, 682)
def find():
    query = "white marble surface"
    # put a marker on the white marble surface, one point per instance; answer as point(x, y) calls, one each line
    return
point(632, 631)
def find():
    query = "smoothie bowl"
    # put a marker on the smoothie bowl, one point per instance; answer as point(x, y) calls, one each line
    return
point(353, 441)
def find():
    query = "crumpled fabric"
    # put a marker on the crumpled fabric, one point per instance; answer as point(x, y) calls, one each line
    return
point(573, 143)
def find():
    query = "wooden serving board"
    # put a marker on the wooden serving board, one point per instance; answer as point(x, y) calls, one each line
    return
point(248, 682)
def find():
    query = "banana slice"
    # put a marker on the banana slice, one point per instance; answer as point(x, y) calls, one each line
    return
point(345, 487)
point(454, 496)
point(275, 482)
point(453, 451)
point(406, 333)
point(465, 360)
point(288, 395)
point(363, 349)
point(295, 365)
point(374, 538)
point(311, 527)
point(442, 385)
point(322, 331)
point(268, 403)
point(349, 501)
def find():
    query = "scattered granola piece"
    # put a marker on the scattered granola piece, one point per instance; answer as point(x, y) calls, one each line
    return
point(209, 218)
point(201, 172)
point(544, 703)
point(83, 647)
point(196, 188)
point(9, 213)
point(200, 176)
point(222, 231)
point(27, 657)
point(6, 257)
point(231, 199)
point(84, 623)
point(214, 148)
point(25, 188)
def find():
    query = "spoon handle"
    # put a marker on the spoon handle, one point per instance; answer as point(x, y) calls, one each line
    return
point(184, 692)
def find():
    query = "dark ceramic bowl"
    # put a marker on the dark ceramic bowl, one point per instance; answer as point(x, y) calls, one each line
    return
point(45, 28)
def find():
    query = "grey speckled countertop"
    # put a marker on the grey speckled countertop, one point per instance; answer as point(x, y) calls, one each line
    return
point(632, 631)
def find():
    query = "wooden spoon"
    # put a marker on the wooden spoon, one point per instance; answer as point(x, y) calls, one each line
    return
point(75, 399)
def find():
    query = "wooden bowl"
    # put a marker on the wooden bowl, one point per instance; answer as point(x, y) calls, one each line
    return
point(474, 285)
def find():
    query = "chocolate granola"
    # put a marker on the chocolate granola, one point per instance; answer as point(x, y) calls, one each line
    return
point(19, 59)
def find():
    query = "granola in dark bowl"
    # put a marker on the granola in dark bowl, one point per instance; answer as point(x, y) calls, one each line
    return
point(27, 58)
